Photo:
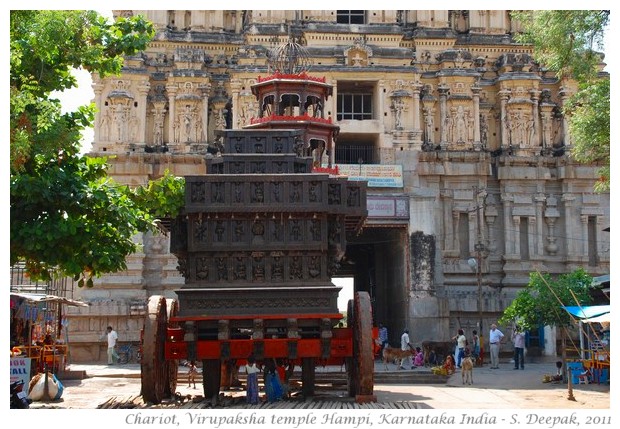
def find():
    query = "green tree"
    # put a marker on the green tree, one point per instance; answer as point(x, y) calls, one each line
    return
point(540, 302)
point(568, 42)
point(67, 216)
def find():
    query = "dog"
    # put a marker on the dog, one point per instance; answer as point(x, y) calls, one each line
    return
point(467, 370)
point(391, 354)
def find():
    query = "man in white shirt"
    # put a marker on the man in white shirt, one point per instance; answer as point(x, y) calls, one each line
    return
point(495, 339)
point(405, 345)
point(112, 338)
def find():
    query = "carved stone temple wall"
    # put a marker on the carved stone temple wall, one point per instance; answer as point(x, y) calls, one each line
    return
point(444, 100)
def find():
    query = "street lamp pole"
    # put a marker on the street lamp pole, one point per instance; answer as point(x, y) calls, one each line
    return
point(479, 247)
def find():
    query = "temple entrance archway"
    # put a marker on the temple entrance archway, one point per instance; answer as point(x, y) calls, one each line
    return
point(376, 259)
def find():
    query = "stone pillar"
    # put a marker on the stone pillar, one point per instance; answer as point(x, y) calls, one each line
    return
point(198, 20)
point(476, 98)
point(334, 102)
point(381, 100)
point(504, 94)
point(536, 117)
point(508, 231)
point(551, 215)
point(235, 88)
point(172, 89)
point(443, 113)
point(448, 222)
point(204, 90)
point(584, 236)
point(98, 89)
point(568, 200)
point(564, 95)
point(531, 244)
point(539, 199)
point(238, 21)
point(455, 231)
point(143, 92)
point(159, 18)
point(417, 87)
point(515, 223)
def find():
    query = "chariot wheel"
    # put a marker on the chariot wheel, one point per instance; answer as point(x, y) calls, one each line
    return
point(349, 361)
point(154, 371)
point(172, 305)
point(363, 357)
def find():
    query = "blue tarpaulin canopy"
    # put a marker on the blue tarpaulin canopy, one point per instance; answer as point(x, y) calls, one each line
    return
point(586, 312)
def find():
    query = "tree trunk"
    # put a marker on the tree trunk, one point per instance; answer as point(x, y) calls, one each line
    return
point(563, 345)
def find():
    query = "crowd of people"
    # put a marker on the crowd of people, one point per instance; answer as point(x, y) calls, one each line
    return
point(463, 346)
point(274, 380)
point(276, 383)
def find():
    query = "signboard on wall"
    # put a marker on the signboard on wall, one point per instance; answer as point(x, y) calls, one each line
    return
point(20, 369)
point(377, 175)
point(387, 207)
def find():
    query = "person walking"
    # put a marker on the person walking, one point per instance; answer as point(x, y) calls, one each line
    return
point(461, 342)
point(112, 339)
point(518, 339)
point(495, 339)
point(405, 345)
point(383, 336)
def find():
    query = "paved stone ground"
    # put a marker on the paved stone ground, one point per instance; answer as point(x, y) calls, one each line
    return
point(502, 388)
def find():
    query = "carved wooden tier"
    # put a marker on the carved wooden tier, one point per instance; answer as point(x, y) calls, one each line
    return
point(261, 234)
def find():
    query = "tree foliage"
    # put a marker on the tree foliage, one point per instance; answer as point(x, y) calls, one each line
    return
point(67, 216)
point(569, 43)
point(539, 303)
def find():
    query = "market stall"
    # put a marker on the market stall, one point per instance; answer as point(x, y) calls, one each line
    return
point(594, 334)
point(39, 335)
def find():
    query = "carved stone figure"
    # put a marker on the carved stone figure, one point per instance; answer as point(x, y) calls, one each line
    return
point(460, 124)
point(222, 269)
point(295, 268)
point(314, 267)
point(277, 270)
point(219, 231)
point(258, 269)
point(239, 273)
point(202, 268)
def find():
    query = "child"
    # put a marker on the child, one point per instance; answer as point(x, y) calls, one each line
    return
point(419, 357)
point(192, 373)
point(252, 381)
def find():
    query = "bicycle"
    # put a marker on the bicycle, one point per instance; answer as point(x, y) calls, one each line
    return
point(128, 353)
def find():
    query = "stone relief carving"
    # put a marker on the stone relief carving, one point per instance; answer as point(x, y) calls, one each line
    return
point(202, 268)
point(222, 268)
point(240, 272)
point(295, 271)
point(201, 230)
point(258, 267)
point(429, 125)
point(333, 194)
point(314, 266)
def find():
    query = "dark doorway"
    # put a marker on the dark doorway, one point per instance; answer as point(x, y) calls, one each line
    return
point(377, 261)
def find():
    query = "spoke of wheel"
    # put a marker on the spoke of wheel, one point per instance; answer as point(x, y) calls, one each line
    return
point(173, 364)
